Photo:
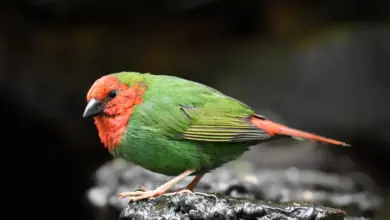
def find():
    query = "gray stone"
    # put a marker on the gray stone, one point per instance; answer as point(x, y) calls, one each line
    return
point(209, 206)
point(237, 179)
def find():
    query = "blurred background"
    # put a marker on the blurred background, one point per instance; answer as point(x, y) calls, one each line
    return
point(321, 66)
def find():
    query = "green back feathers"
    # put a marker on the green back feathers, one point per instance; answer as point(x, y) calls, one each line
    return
point(181, 109)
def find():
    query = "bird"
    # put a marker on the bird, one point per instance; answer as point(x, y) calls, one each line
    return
point(176, 127)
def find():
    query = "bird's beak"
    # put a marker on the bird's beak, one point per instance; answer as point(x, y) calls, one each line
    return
point(94, 107)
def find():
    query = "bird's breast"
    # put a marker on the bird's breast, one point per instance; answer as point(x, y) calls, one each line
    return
point(111, 130)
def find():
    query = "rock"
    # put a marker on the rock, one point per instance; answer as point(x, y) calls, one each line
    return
point(210, 206)
point(352, 193)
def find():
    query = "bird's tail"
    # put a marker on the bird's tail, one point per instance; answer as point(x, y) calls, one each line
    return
point(278, 129)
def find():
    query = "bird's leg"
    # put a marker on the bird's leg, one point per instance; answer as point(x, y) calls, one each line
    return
point(189, 188)
point(194, 182)
point(138, 195)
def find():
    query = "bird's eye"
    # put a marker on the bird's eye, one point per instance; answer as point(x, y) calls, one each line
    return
point(113, 93)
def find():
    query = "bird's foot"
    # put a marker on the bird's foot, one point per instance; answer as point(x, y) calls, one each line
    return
point(139, 195)
point(143, 193)
point(179, 191)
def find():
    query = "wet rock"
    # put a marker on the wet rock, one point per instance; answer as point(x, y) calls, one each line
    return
point(209, 206)
point(239, 179)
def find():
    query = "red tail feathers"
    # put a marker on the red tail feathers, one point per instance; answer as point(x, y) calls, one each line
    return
point(273, 128)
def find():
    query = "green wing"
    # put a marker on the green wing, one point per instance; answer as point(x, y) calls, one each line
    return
point(187, 110)
point(215, 123)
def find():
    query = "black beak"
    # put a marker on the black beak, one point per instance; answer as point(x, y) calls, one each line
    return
point(94, 107)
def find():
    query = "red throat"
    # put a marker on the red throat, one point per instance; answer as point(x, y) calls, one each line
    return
point(113, 126)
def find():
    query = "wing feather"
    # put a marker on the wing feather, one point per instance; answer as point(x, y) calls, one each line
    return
point(223, 126)
point(197, 113)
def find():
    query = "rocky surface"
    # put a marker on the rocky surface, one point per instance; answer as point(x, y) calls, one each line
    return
point(236, 179)
point(209, 206)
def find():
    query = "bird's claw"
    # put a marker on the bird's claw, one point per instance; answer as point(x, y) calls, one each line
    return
point(180, 192)
point(139, 195)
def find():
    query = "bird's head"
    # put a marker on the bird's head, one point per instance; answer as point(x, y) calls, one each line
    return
point(105, 97)
point(111, 100)
point(109, 96)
